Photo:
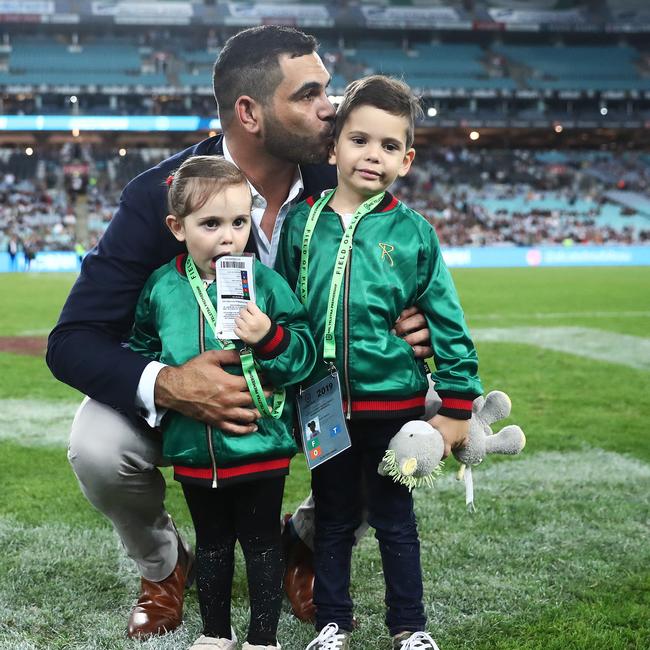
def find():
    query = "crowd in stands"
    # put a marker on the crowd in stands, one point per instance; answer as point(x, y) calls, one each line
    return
point(58, 199)
point(526, 198)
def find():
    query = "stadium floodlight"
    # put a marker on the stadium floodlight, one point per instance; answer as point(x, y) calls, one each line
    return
point(474, 135)
point(603, 110)
point(558, 128)
point(122, 152)
point(432, 112)
point(29, 151)
point(73, 99)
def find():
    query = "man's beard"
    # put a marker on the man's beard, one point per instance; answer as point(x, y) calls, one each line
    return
point(299, 149)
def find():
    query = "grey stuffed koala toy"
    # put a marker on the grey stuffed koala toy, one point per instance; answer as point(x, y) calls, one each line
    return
point(414, 454)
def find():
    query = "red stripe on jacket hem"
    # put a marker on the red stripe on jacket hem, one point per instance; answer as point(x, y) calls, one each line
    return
point(455, 403)
point(359, 405)
point(270, 346)
point(231, 472)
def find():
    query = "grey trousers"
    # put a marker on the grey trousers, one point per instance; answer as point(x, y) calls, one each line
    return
point(116, 465)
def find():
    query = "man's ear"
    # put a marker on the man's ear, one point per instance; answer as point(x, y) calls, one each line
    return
point(249, 113)
point(407, 162)
point(176, 226)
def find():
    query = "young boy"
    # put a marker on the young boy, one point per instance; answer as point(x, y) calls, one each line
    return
point(233, 484)
point(392, 261)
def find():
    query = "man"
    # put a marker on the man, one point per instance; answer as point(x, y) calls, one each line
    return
point(270, 87)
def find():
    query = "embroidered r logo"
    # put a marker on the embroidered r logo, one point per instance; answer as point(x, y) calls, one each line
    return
point(386, 250)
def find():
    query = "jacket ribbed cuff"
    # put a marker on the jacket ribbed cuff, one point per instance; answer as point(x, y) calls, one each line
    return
point(456, 405)
point(274, 343)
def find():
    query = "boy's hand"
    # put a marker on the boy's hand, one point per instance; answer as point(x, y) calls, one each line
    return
point(454, 432)
point(252, 324)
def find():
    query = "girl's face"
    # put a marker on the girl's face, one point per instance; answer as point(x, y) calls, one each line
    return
point(220, 227)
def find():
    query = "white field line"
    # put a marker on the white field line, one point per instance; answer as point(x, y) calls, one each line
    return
point(545, 525)
point(36, 332)
point(561, 314)
point(33, 422)
point(623, 349)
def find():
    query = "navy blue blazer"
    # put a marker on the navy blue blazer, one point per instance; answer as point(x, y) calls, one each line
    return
point(86, 349)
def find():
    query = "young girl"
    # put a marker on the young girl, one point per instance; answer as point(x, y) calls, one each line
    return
point(233, 484)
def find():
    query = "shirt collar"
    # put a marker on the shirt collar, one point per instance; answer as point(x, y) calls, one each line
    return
point(297, 186)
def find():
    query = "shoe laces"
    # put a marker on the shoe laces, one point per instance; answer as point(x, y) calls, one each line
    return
point(328, 639)
point(419, 641)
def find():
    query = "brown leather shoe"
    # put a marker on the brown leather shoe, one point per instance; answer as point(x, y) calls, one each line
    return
point(298, 575)
point(160, 607)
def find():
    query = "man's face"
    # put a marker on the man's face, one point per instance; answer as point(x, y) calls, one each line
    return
point(299, 122)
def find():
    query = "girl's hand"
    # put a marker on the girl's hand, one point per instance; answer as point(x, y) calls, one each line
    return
point(252, 324)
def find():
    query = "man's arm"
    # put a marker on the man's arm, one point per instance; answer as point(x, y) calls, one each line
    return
point(86, 350)
point(412, 327)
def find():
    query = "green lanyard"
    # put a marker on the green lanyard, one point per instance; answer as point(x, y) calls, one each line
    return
point(247, 361)
point(345, 247)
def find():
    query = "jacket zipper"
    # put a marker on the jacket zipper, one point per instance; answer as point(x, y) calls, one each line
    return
point(346, 351)
point(208, 428)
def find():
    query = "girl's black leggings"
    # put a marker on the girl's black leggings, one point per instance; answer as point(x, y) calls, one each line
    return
point(248, 512)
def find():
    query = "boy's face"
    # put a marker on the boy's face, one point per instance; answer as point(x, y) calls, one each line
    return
point(220, 227)
point(371, 152)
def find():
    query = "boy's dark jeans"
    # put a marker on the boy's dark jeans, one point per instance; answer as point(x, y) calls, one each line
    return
point(343, 487)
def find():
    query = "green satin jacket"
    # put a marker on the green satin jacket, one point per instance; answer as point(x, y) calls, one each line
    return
point(395, 263)
point(170, 328)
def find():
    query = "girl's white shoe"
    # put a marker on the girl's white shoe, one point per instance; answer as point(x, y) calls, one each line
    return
point(214, 643)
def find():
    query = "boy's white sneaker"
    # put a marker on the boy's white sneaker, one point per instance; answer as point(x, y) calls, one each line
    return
point(331, 638)
point(215, 643)
point(248, 646)
point(414, 641)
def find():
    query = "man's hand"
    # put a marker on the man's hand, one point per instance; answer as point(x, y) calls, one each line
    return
point(252, 324)
point(412, 327)
point(454, 432)
point(202, 390)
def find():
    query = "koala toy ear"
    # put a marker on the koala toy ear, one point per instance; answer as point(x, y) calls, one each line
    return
point(496, 407)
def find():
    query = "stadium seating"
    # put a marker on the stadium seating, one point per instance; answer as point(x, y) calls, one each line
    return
point(577, 67)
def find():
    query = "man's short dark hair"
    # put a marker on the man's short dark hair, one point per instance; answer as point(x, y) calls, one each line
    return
point(249, 64)
point(387, 94)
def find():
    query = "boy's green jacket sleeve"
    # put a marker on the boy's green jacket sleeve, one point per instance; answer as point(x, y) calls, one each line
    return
point(144, 336)
point(287, 354)
point(453, 350)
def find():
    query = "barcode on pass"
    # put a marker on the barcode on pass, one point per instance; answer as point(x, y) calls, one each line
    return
point(229, 264)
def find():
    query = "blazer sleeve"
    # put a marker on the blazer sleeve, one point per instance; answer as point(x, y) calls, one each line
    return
point(287, 354)
point(456, 376)
point(145, 339)
point(86, 349)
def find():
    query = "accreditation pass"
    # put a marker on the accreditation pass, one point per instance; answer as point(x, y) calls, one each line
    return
point(235, 287)
point(322, 422)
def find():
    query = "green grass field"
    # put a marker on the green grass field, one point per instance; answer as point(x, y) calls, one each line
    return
point(557, 556)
